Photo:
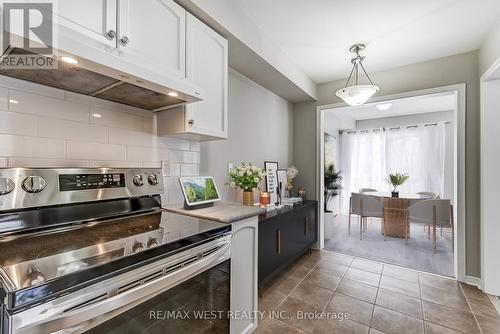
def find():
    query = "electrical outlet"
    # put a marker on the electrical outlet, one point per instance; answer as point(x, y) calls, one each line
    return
point(229, 167)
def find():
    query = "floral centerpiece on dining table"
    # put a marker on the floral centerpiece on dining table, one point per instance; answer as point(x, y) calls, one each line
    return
point(246, 177)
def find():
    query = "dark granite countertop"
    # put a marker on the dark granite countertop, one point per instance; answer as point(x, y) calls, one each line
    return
point(286, 209)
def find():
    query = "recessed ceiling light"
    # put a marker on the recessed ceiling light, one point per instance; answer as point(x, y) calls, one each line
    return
point(173, 94)
point(384, 106)
point(97, 115)
point(13, 101)
point(69, 60)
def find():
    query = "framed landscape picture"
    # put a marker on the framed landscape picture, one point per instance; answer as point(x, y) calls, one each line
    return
point(199, 190)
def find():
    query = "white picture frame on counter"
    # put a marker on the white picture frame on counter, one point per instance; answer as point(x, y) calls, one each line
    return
point(271, 169)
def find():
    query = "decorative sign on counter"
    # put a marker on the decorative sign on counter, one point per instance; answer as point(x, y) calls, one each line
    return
point(271, 169)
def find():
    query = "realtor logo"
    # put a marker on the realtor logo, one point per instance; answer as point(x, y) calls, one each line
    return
point(28, 29)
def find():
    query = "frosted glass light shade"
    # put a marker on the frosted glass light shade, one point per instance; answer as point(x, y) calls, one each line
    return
point(356, 95)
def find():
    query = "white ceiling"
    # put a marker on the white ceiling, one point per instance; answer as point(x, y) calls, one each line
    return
point(400, 107)
point(316, 34)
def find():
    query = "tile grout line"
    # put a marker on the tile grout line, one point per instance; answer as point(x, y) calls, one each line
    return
point(470, 308)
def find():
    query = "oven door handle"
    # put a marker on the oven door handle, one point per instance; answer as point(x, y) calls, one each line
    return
point(78, 319)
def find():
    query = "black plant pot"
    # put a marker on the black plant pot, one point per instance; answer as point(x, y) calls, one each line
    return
point(395, 194)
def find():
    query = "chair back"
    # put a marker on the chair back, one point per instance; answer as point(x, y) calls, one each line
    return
point(367, 190)
point(366, 205)
point(424, 211)
point(428, 194)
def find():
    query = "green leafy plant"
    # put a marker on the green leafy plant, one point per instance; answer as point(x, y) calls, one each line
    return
point(246, 177)
point(332, 180)
point(397, 179)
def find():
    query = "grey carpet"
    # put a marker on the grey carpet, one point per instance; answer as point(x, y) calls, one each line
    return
point(417, 255)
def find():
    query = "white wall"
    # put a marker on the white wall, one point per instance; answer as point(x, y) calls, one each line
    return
point(42, 126)
point(260, 128)
point(490, 49)
point(441, 116)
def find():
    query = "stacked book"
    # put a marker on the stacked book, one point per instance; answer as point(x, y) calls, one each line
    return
point(292, 201)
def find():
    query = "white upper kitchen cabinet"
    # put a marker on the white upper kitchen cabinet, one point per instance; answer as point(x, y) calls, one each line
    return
point(152, 33)
point(93, 19)
point(206, 67)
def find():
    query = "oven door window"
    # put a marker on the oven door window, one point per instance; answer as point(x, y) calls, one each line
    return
point(198, 305)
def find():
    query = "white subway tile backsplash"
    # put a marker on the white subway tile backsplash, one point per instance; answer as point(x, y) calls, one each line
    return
point(115, 119)
point(18, 124)
point(151, 164)
point(47, 163)
point(114, 164)
point(172, 169)
point(185, 157)
point(195, 146)
point(46, 106)
point(31, 87)
point(147, 154)
point(175, 196)
point(4, 97)
point(58, 128)
point(95, 151)
point(137, 138)
point(31, 147)
point(3, 162)
point(148, 125)
point(190, 169)
point(171, 183)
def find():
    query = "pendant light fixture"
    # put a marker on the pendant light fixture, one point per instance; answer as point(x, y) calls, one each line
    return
point(357, 94)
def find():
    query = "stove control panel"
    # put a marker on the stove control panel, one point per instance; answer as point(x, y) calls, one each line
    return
point(71, 182)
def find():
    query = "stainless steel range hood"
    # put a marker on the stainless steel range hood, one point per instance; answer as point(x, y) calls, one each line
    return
point(90, 78)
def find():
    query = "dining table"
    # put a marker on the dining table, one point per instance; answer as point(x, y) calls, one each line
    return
point(395, 211)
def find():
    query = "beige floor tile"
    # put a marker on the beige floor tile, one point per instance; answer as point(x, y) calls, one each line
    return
point(366, 265)
point(452, 298)
point(345, 326)
point(437, 282)
point(308, 260)
point(273, 326)
point(449, 317)
point(323, 280)
point(392, 322)
point(337, 258)
point(431, 328)
point(375, 331)
point(400, 273)
point(363, 276)
point(401, 303)
point(283, 284)
point(270, 300)
point(357, 290)
point(295, 313)
point(400, 286)
point(313, 294)
point(298, 271)
point(479, 302)
point(332, 268)
point(488, 325)
point(357, 310)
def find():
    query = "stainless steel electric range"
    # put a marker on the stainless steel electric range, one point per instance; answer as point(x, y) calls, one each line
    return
point(91, 250)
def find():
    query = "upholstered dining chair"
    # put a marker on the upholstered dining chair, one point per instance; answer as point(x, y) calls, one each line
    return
point(365, 206)
point(434, 213)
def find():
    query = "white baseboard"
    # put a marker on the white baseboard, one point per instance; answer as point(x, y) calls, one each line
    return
point(495, 300)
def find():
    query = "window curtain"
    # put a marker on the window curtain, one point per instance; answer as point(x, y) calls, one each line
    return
point(368, 157)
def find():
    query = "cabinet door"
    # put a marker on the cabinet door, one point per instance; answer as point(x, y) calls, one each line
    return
point(151, 33)
point(207, 67)
point(93, 19)
point(271, 252)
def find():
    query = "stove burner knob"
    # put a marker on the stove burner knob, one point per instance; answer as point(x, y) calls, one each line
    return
point(138, 247)
point(6, 185)
point(34, 184)
point(153, 242)
point(138, 181)
point(152, 180)
point(34, 277)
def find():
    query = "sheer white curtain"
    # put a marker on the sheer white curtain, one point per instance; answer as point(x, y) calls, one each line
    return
point(362, 162)
point(368, 157)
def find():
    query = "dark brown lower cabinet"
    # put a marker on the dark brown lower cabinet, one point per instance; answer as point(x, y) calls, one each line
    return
point(284, 236)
